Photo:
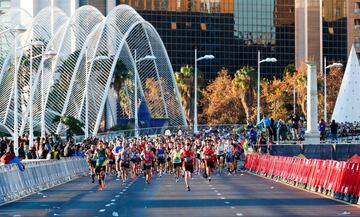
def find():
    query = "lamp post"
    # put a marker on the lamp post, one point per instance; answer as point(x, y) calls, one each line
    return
point(325, 88)
point(31, 123)
point(48, 55)
point(267, 60)
point(148, 57)
point(18, 29)
point(206, 57)
point(97, 58)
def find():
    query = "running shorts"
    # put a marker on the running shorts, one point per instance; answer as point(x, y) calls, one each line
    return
point(189, 168)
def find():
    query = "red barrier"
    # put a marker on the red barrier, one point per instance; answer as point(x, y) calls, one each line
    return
point(328, 176)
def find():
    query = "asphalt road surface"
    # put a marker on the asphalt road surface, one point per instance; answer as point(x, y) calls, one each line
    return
point(239, 195)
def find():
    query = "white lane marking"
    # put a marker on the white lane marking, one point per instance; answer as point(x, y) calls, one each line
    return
point(239, 214)
point(55, 214)
point(218, 194)
point(112, 204)
point(115, 214)
point(210, 185)
point(227, 202)
point(124, 190)
point(17, 215)
point(117, 195)
point(44, 205)
point(216, 191)
point(102, 210)
point(44, 196)
point(56, 207)
point(107, 205)
point(113, 200)
point(345, 213)
point(213, 188)
point(272, 187)
point(121, 192)
point(39, 193)
point(222, 198)
point(232, 207)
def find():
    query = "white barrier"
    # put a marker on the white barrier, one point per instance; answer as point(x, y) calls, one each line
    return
point(38, 175)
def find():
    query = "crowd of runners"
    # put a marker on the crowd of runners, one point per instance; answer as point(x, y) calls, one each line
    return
point(177, 155)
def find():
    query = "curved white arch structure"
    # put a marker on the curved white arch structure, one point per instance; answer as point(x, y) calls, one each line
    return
point(79, 41)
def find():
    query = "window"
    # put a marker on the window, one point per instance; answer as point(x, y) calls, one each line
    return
point(357, 42)
point(203, 26)
point(357, 7)
point(173, 25)
point(357, 24)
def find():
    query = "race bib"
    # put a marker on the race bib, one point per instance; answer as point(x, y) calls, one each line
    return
point(208, 156)
point(177, 160)
point(161, 155)
point(188, 159)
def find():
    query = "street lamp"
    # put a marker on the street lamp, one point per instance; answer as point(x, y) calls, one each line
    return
point(148, 57)
point(206, 57)
point(48, 55)
point(97, 58)
point(334, 65)
point(18, 29)
point(267, 60)
point(31, 124)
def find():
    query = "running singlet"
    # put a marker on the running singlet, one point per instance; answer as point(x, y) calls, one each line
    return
point(134, 154)
point(229, 150)
point(188, 157)
point(176, 157)
point(147, 157)
point(208, 154)
point(101, 157)
point(125, 157)
point(220, 149)
point(161, 153)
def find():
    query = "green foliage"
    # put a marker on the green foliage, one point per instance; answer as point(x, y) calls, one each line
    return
point(245, 78)
point(121, 127)
point(121, 74)
point(72, 123)
point(290, 68)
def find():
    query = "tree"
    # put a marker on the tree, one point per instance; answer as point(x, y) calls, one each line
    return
point(290, 68)
point(185, 83)
point(245, 83)
point(154, 98)
point(221, 102)
point(334, 79)
point(73, 124)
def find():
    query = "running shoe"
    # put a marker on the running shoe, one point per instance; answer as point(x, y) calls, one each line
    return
point(188, 188)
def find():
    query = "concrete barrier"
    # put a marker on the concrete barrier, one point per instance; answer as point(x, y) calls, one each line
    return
point(38, 176)
point(317, 151)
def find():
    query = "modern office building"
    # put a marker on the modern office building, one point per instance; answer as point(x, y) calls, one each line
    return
point(321, 31)
point(232, 30)
point(353, 25)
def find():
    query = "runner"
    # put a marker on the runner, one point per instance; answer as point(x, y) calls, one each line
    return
point(125, 162)
point(160, 153)
point(219, 152)
point(100, 169)
point(134, 161)
point(176, 160)
point(188, 156)
point(169, 150)
point(116, 151)
point(208, 153)
point(147, 158)
point(229, 148)
point(90, 158)
point(198, 148)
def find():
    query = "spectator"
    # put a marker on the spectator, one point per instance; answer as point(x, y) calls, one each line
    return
point(334, 130)
point(322, 129)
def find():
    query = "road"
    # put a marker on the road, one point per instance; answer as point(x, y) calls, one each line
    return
point(239, 195)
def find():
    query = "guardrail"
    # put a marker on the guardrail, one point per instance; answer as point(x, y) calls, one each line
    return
point(337, 179)
point(38, 176)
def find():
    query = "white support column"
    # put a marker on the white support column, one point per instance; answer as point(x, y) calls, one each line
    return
point(31, 123)
point(312, 135)
point(16, 128)
point(42, 121)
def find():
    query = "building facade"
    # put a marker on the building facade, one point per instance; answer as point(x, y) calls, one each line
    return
point(321, 31)
point(233, 31)
point(353, 25)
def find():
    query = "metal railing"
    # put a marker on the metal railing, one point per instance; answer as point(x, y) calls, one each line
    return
point(38, 176)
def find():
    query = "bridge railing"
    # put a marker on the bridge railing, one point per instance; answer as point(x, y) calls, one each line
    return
point(38, 176)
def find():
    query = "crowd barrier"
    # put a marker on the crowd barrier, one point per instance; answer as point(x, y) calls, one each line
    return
point(38, 176)
point(338, 179)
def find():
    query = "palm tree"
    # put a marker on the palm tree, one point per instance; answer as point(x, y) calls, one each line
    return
point(185, 83)
point(245, 82)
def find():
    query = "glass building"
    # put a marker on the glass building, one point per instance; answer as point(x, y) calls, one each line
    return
point(232, 30)
point(335, 30)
